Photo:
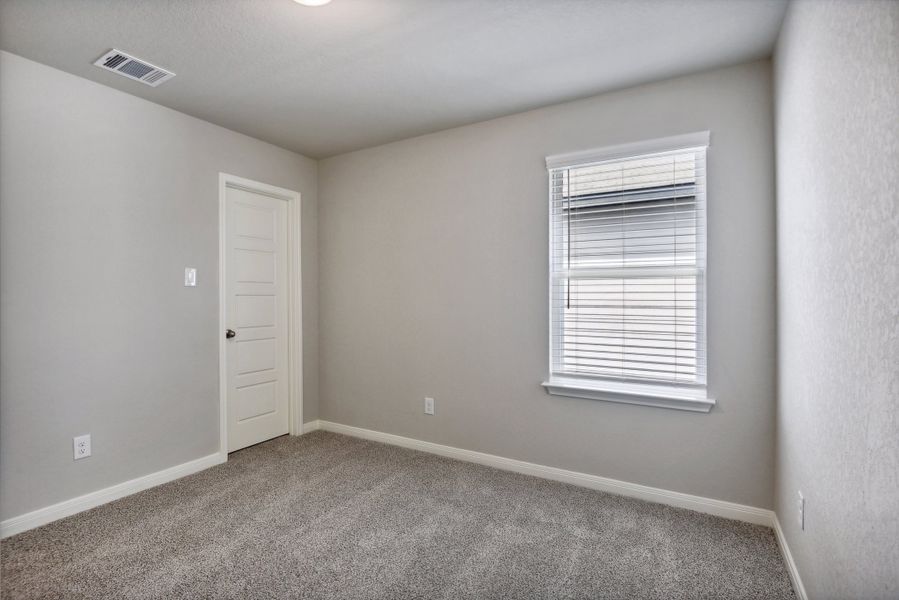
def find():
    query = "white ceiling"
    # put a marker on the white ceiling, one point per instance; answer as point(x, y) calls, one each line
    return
point(357, 73)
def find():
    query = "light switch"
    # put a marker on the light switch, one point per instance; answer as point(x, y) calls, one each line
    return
point(190, 277)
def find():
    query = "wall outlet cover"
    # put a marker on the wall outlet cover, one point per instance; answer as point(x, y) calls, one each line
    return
point(81, 446)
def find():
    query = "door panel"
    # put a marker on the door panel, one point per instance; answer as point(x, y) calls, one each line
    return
point(256, 401)
point(256, 310)
point(254, 266)
point(256, 290)
point(254, 221)
point(256, 355)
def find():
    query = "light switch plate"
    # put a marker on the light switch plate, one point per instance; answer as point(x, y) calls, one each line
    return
point(190, 277)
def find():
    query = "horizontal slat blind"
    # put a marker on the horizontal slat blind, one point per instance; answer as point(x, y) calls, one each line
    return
point(627, 266)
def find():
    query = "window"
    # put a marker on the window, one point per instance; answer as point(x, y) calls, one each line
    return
point(627, 274)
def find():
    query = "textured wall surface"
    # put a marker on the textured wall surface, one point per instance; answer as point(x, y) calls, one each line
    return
point(434, 283)
point(105, 198)
point(837, 99)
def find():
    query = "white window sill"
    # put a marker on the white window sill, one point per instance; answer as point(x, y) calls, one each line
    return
point(659, 396)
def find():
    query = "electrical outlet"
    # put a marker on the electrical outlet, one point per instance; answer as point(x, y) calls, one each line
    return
point(800, 504)
point(82, 446)
point(429, 406)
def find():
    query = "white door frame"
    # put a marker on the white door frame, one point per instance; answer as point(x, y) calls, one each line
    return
point(294, 311)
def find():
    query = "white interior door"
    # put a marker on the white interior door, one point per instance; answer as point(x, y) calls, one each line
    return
point(256, 313)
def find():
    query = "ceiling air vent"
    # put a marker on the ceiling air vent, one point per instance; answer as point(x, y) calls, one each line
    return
point(133, 68)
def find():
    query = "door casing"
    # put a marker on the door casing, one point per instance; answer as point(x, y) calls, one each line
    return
point(295, 303)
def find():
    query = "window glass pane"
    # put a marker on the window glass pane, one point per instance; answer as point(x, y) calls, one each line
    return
point(627, 259)
point(632, 328)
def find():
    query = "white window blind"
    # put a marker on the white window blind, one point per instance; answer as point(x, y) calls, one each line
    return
point(627, 262)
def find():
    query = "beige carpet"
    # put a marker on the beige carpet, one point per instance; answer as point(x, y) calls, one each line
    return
point(328, 516)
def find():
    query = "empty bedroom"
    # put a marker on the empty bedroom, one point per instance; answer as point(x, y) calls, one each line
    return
point(460, 299)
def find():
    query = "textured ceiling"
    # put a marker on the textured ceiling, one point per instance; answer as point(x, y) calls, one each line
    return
point(357, 73)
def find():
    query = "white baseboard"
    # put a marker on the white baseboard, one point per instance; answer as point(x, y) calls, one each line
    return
point(719, 508)
point(311, 426)
point(66, 508)
point(788, 559)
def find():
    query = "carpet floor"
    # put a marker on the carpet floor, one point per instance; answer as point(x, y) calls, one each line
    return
point(329, 516)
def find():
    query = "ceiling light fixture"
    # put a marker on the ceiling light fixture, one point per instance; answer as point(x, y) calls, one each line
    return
point(312, 2)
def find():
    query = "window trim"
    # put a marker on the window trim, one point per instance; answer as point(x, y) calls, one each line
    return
point(694, 398)
point(666, 144)
point(626, 392)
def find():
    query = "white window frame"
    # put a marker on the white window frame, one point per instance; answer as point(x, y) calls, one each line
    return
point(682, 397)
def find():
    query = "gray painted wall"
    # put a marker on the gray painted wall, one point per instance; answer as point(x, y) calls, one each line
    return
point(105, 199)
point(837, 99)
point(433, 282)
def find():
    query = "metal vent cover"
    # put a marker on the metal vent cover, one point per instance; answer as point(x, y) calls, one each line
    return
point(128, 66)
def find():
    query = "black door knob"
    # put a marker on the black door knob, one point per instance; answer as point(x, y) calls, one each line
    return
point(230, 333)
